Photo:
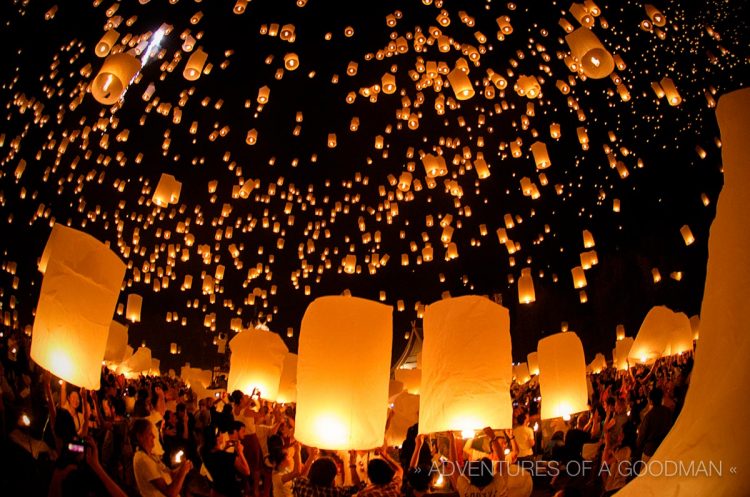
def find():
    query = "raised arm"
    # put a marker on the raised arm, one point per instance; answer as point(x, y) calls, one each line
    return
point(353, 468)
point(398, 471)
point(417, 449)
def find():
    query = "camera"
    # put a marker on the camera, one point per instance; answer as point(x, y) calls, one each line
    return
point(77, 446)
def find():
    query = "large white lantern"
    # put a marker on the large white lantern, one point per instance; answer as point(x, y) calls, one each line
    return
point(343, 371)
point(117, 342)
point(288, 384)
point(139, 362)
point(405, 414)
point(460, 389)
point(562, 375)
point(622, 351)
point(663, 332)
point(256, 362)
point(532, 360)
point(76, 303)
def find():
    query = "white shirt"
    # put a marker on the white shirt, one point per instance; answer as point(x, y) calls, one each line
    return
point(498, 487)
point(147, 468)
point(155, 417)
point(525, 440)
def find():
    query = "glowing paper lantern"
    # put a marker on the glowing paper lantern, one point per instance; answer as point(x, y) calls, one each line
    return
point(256, 362)
point(541, 156)
point(622, 351)
point(133, 310)
point(670, 91)
point(533, 361)
point(461, 84)
point(117, 342)
point(139, 362)
point(194, 65)
point(521, 372)
point(291, 61)
point(526, 293)
point(288, 383)
point(695, 325)
point(562, 375)
point(342, 373)
point(661, 331)
point(114, 77)
point(76, 303)
point(458, 391)
point(167, 191)
point(104, 46)
point(596, 62)
point(687, 235)
point(579, 277)
point(405, 414)
point(411, 378)
point(598, 365)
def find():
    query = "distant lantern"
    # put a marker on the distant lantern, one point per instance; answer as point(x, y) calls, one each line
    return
point(117, 343)
point(533, 362)
point(526, 293)
point(562, 375)
point(173, 348)
point(133, 310)
point(620, 332)
point(655, 15)
point(76, 303)
point(114, 77)
point(167, 191)
point(350, 264)
point(240, 6)
point(503, 23)
point(582, 15)
point(598, 365)
point(404, 181)
point(256, 362)
point(481, 167)
point(521, 372)
point(541, 157)
point(288, 384)
point(263, 93)
point(459, 392)
point(596, 62)
point(104, 46)
point(554, 130)
point(331, 140)
point(579, 277)
point(291, 61)
point(670, 91)
point(341, 403)
point(434, 166)
point(528, 86)
point(687, 235)
point(194, 65)
point(461, 84)
point(388, 83)
point(622, 350)
point(588, 239)
point(410, 378)
point(656, 275)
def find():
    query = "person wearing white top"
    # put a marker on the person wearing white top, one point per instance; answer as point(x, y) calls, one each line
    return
point(152, 477)
point(524, 437)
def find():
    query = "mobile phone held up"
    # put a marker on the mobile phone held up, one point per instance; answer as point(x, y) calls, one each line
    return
point(77, 446)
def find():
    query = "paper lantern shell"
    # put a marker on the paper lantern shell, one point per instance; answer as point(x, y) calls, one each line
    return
point(76, 303)
point(662, 331)
point(194, 65)
point(405, 414)
point(256, 362)
point(533, 361)
point(288, 383)
point(622, 350)
point(562, 375)
point(114, 77)
point(458, 391)
point(411, 378)
point(596, 61)
point(117, 343)
point(342, 373)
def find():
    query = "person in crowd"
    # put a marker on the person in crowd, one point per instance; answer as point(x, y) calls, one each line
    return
point(524, 437)
point(479, 478)
point(419, 475)
point(243, 411)
point(71, 477)
point(320, 478)
point(286, 464)
point(618, 451)
point(655, 425)
point(152, 476)
point(385, 475)
point(223, 456)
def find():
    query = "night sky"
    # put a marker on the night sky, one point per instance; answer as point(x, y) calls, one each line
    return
point(312, 205)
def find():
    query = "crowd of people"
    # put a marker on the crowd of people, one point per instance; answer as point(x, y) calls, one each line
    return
point(152, 437)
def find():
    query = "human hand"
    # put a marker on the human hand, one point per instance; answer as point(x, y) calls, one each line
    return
point(92, 453)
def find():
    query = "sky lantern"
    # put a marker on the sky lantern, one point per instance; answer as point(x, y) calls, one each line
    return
point(76, 303)
point(541, 156)
point(457, 391)
point(291, 61)
point(117, 343)
point(405, 414)
point(114, 77)
point(596, 62)
point(195, 64)
point(598, 365)
point(288, 383)
point(341, 403)
point(582, 15)
point(461, 84)
point(687, 235)
point(411, 379)
point(138, 363)
point(104, 46)
point(167, 191)
point(670, 91)
point(434, 166)
point(521, 372)
point(562, 375)
point(621, 353)
point(655, 15)
point(620, 332)
point(532, 360)
point(256, 362)
point(663, 332)
point(579, 277)
point(133, 309)
point(526, 293)
point(588, 239)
